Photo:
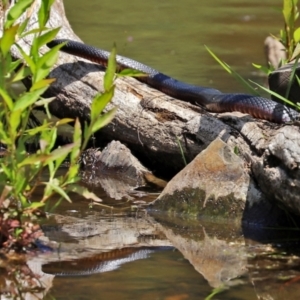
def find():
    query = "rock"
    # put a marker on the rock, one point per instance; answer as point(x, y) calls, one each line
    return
point(274, 51)
point(279, 82)
point(213, 184)
point(279, 79)
point(116, 170)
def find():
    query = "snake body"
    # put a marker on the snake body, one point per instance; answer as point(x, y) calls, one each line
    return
point(209, 98)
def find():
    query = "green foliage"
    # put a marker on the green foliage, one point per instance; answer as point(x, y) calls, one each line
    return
point(290, 35)
point(21, 172)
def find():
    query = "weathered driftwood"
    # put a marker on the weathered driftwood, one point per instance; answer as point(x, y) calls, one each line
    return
point(151, 123)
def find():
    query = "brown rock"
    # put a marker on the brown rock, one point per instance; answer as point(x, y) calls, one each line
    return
point(214, 184)
point(116, 170)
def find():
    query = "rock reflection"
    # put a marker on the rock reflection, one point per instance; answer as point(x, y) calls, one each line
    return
point(219, 256)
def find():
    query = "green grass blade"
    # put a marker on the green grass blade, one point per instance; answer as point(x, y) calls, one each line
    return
point(287, 101)
point(238, 77)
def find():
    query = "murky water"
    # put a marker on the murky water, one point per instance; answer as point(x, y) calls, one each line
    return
point(170, 35)
point(188, 260)
point(142, 256)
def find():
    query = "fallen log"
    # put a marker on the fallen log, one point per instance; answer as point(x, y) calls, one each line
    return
point(152, 124)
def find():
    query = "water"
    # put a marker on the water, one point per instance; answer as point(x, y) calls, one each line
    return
point(170, 36)
point(139, 256)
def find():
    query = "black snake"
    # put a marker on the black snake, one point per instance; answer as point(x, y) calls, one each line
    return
point(209, 98)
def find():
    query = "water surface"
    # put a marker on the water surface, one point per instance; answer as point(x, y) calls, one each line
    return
point(170, 35)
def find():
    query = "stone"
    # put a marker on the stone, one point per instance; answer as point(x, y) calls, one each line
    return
point(214, 184)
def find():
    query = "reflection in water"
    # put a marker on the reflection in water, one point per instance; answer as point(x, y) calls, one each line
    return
point(219, 257)
point(18, 281)
point(274, 265)
point(210, 259)
point(99, 263)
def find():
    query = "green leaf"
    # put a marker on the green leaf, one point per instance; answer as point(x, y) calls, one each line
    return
point(22, 73)
point(59, 160)
point(23, 26)
point(44, 101)
point(238, 77)
point(4, 137)
point(16, 11)
point(27, 59)
point(73, 173)
point(111, 69)
point(28, 99)
point(48, 138)
point(7, 99)
point(34, 52)
point(34, 31)
point(181, 150)
point(45, 63)
point(287, 9)
point(54, 185)
point(77, 140)
point(84, 192)
point(298, 80)
point(38, 129)
point(104, 120)
point(20, 183)
point(274, 94)
point(44, 12)
point(264, 69)
point(15, 119)
point(8, 39)
point(34, 205)
point(32, 159)
point(60, 152)
point(64, 121)
point(131, 73)
point(296, 52)
point(14, 65)
point(297, 35)
point(47, 37)
point(43, 83)
point(100, 101)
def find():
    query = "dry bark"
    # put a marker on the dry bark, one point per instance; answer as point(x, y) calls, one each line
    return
point(151, 123)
